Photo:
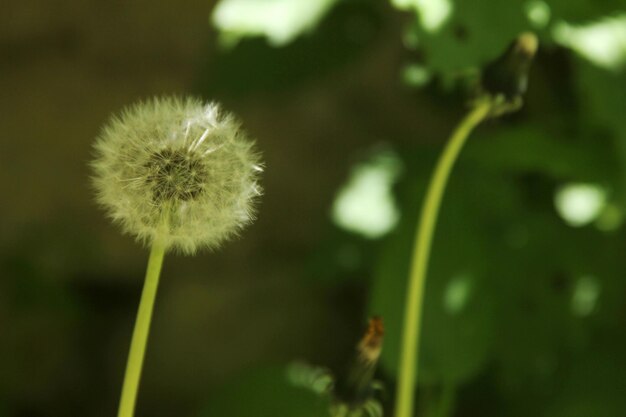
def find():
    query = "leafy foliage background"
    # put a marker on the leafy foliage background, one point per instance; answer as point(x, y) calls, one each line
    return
point(296, 286)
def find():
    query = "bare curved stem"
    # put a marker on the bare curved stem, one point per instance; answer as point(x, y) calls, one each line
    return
point(421, 252)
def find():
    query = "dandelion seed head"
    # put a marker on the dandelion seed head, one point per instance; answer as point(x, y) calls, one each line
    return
point(178, 171)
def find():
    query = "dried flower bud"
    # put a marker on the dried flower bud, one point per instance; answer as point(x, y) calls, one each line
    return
point(356, 387)
point(177, 171)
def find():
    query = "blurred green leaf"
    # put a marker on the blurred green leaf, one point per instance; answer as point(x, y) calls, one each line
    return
point(280, 21)
point(584, 10)
point(457, 327)
point(264, 392)
point(593, 386)
point(601, 41)
point(252, 65)
point(528, 148)
point(602, 99)
point(475, 32)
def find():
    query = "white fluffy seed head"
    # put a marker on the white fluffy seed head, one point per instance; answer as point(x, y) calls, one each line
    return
point(177, 171)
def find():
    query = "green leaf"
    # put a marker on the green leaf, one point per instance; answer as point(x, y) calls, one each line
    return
point(584, 10)
point(474, 33)
point(530, 148)
point(458, 321)
point(254, 65)
point(594, 386)
point(264, 392)
point(280, 21)
point(602, 98)
point(601, 94)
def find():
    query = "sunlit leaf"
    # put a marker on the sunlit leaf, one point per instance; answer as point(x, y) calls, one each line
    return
point(602, 42)
point(280, 21)
point(459, 35)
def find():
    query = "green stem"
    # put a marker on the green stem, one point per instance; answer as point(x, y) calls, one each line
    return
point(140, 333)
point(421, 252)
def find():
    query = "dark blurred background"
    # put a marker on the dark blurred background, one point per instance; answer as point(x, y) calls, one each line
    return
point(350, 102)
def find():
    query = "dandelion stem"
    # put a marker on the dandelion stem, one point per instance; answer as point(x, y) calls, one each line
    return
point(140, 333)
point(421, 252)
